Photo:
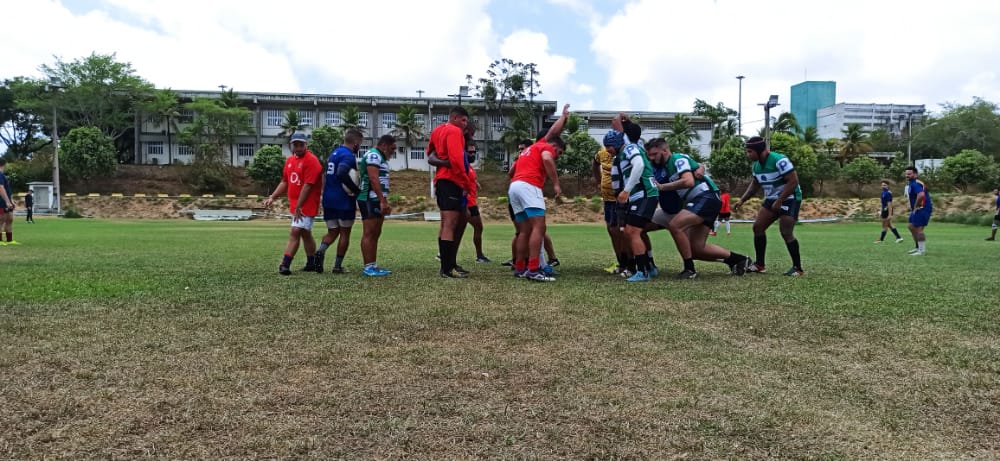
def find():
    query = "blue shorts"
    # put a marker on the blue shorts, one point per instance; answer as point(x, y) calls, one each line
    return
point(920, 217)
point(640, 212)
point(790, 207)
point(529, 213)
point(706, 205)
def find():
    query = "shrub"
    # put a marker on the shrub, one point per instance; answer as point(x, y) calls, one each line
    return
point(72, 213)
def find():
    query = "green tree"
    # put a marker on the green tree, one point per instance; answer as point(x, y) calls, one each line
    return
point(324, 140)
point(291, 124)
point(520, 128)
point(974, 126)
point(729, 164)
point(827, 169)
point(716, 115)
point(801, 155)
point(680, 136)
point(862, 171)
point(20, 128)
point(898, 166)
point(350, 117)
point(882, 141)
point(97, 91)
point(810, 136)
point(214, 128)
point(578, 157)
point(267, 166)
point(854, 143)
point(164, 108)
point(407, 129)
point(87, 153)
point(969, 168)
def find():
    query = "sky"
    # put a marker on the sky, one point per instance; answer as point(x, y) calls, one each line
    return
point(620, 55)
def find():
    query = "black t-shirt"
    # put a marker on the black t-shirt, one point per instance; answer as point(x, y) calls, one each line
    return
point(29, 200)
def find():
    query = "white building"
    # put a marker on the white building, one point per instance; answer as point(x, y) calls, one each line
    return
point(377, 116)
point(831, 121)
point(653, 125)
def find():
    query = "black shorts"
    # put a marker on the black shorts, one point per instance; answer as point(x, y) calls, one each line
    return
point(473, 211)
point(370, 209)
point(611, 213)
point(640, 212)
point(510, 210)
point(725, 216)
point(790, 207)
point(885, 213)
point(450, 197)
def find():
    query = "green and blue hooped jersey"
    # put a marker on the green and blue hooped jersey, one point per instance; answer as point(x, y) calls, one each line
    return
point(373, 157)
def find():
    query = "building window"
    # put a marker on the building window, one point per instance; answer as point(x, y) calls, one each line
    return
point(306, 116)
point(184, 150)
point(419, 118)
point(416, 154)
point(363, 119)
point(274, 118)
point(388, 120)
point(332, 118)
point(244, 150)
point(187, 116)
point(154, 148)
point(440, 119)
point(497, 122)
point(362, 151)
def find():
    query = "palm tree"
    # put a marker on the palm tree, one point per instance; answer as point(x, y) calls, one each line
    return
point(291, 124)
point(681, 134)
point(722, 133)
point(854, 143)
point(810, 136)
point(350, 118)
point(786, 123)
point(229, 99)
point(408, 129)
point(164, 109)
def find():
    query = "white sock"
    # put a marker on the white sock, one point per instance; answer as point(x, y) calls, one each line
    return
point(922, 246)
point(716, 227)
point(728, 227)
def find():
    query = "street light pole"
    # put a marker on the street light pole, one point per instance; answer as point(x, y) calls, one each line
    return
point(739, 114)
point(771, 102)
point(909, 139)
point(55, 160)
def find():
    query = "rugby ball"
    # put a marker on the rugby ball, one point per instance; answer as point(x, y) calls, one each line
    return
point(354, 179)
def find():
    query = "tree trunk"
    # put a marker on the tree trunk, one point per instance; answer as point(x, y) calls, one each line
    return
point(170, 160)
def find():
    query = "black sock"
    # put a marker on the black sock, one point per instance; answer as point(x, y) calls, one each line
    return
point(793, 251)
point(689, 264)
point(894, 232)
point(444, 248)
point(642, 263)
point(310, 260)
point(734, 258)
point(882, 237)
point(623, 259)
point(631, 263)
point(760, 247)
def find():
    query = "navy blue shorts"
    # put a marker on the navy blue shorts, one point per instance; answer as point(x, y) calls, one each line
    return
point(333, 214)
point(370, 209)
point(473, 211)
point(790, 207)
point(706, 205)
point(611, 213)
point(640, 212)
point(920, 217)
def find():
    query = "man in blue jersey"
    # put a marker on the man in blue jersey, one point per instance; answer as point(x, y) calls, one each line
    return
point(339, 205)
point(996, 218)
point(886, 215)
point(774, 173)
point(920, 210)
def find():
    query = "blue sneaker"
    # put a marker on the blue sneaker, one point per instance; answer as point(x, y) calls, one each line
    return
point(654, 272)
point(374, 272)
point(548, 270)
point(639, 276)
point(520, 273)
point(538, 277)
point(384, 270)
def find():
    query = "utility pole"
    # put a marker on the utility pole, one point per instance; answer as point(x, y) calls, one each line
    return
point(771, 103)
point(739, 113)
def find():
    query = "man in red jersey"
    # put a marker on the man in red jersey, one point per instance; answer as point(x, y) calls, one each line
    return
point(528, 203)
point(451, 185)
point(302, 178)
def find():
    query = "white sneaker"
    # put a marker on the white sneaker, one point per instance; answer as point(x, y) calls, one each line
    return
point(913, 251)
point(918, 253)
point(899, 240)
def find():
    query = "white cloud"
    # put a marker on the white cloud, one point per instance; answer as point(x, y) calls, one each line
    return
point(555, 71)
point(662, 55)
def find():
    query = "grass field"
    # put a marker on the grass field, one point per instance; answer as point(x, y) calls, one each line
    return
point(177, 339)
